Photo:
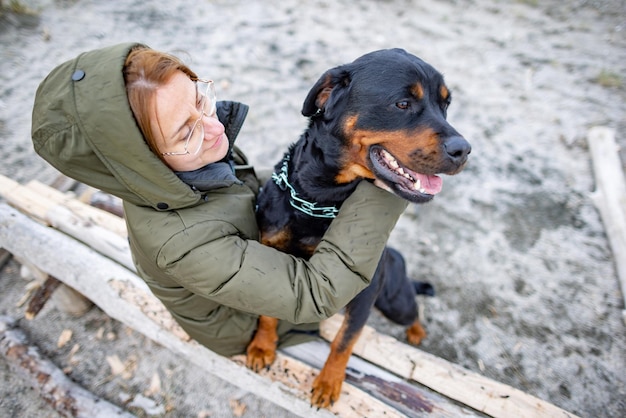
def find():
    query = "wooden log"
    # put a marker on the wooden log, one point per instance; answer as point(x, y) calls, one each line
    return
point(106, 202)
point(64, 212)
point(97, 228)
point(455, 382)
point(610, 195)
point(101, 239)
point(63, 183)
point(37, 200)
point(99, 217)
point(21, 197)
point(107, 284)
point(65, 396)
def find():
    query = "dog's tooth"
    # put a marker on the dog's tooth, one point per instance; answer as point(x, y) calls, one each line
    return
point(401, 171)
point(418, 186)
point(393, 163)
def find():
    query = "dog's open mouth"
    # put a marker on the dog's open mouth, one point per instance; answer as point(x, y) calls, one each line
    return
point(415, 187)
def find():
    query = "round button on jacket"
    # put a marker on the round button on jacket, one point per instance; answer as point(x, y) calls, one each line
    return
point(78, 75)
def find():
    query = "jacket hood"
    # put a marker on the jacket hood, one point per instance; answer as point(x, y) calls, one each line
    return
point(83, 125)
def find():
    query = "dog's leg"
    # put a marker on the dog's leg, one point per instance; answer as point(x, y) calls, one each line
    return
point(261, 351)
point(327, 385)
point(396, 299)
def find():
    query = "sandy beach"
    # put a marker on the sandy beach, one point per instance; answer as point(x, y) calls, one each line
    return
point(527, 290)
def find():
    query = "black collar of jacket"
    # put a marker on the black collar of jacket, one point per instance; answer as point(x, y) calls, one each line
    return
point(221, 173)
point(232, 115)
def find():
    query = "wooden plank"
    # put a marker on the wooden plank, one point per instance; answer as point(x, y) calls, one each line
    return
point(410, 399)
point(299, 376)
point(23, 198)
point(125, 297)
point(97, 228)
point(610, 195)
point(483, 394)
point(37, 200)
point(84, 211)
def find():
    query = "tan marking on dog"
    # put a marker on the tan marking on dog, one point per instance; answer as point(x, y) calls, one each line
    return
point(278, 239)
point(445, 93)
point(418, 91)
point(402, 145)
point(355, 157)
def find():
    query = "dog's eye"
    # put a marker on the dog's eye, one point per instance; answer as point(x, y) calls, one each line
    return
point(403, 105)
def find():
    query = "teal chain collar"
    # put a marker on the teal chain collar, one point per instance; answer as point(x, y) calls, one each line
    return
point(298, 203)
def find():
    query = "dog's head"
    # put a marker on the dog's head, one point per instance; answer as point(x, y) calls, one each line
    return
point(389, 109)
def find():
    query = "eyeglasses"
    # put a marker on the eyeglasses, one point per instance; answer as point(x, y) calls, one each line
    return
point(207, 107)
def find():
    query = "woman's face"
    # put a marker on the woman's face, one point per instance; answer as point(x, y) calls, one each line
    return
point(175, 112)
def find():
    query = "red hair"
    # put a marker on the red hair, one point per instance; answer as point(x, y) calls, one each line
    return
point(145, 70)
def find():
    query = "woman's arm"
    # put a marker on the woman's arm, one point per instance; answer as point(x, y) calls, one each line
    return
point(251, 277)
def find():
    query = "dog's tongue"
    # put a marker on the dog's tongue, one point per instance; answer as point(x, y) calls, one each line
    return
point(430, 184)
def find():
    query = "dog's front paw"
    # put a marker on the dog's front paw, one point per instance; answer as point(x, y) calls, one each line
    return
point(326, 388)
point(261, 351)
point(260, 354)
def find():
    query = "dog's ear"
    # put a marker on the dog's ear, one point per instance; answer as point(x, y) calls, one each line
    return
point(331, 82)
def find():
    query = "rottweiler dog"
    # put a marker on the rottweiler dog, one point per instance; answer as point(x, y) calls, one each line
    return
point(381, 117)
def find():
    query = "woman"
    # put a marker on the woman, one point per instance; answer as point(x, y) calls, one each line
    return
point(140, 125)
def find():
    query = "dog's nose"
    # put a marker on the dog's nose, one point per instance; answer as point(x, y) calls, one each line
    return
point(457, 149)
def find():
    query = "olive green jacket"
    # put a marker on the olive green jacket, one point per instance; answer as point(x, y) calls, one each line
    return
point(199, 251)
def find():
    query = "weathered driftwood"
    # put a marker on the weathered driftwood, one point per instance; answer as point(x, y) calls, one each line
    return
point(451, 380)
point(97, 228)
point(37, 200)
point(610, 195)
point(65, 396)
